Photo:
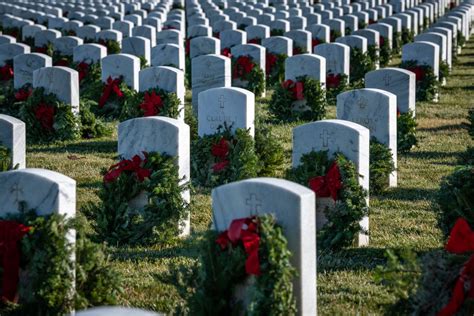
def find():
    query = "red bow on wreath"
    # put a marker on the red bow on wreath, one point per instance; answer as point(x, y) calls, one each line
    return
point(44, 113)
point(221, 152)
point(460, 241)
point(110, 85)
point(271, 61)
point(10, 234)
point(243, 66)
point(328, 185)
point(255, 40)
point(226, 52)
point(419, 72)
point(243, 230)
point(187, 46)
point(42, 50)
point(6, 72)
point(296, 88)
point(315, 42)
point(62, 62)
point(134, 165)
point(23, 94)
point(83, 69)
point(152, 104)
point(333, 81)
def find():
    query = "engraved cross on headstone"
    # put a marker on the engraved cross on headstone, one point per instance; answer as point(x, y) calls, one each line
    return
point(362, 103)
point(17, 191)
point(254, 204)
point(387, 79)
point(221, 101)
point(325, 137)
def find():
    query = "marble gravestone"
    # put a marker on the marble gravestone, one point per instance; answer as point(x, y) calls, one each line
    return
point(116, 311)
point(301, 40)
point(256, 53)
point(168, 55)
point(63, 82)
point(158, 134)
point(121, 65)
point(43, 190)
point(320, 32)
point(337, 57)
point(398, 81)
point(293, 208)
point(65, 45)
point(43, 38)
point(423, 53)
point(377, 110)
point(6, 39)
point(336, 136)
point(89, 53)
point(137, 46)
point(25, 65)
point(204, 45)
point(169, 79)
point(233, 107)
point(279, 45)
point(310, 65)
point(231, 38)
point(13, 137)
point(209, 71)
point(9, 51)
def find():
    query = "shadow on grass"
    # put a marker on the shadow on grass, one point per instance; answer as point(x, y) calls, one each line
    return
point(77, 147)
point(441, 128)
point(408, 194)
point(90, 185)
point(431, 155)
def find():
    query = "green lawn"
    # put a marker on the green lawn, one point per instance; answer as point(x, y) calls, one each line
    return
point(402, 217)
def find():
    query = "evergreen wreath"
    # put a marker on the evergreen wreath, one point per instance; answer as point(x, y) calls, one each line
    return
point(160, 221)
point(461, 40)
point(269, 151)
point(224, 157)
point(108, 99)
point(152, 102)
point(48, 287)
point(426, 82)
point(274, 32)
point(385, 51)
point(456, 198)
point(46, 49)
point(373, 52)
point(305, 88)
point(48, 119)
point(407, 36)
point(333, 34)
point(10, 98)
point(61, 60)
point(88, 74)
point(224, 266)
point(361, 63)
point(249, 73)
point(443, 70)
point(5, 158)
point(335, 84)
point(275, 68)
point(113, 47)
point(381, 166)
point(397, 42)
point(350, 204)
point(406, 132)
point(13, 31)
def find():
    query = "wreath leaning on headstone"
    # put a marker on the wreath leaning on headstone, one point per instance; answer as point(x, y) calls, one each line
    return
point(48, 119)
point(385, 53)
point(334, 177)
point(152, 102)
point(120, 220)
point(275, 68)
point(5, 158)
point(249, 73)
point(360, 64)
point(335, 84)
point(381, 166)
point(253, 256)
point(426, 82)
point(226, 157)
point(406, 131)
point(113, 47)
point(303, 99)
point(38, 274)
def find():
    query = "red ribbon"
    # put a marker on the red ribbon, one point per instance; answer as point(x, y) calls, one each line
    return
point(381, 40)
point(333, 81)
point(10, 234)
point(297, 50)
point(226, 52)
point(243, 230)
point(460, 241)
point(296, 88)
point(112, 85)
point(255, 40)
point(221, 152)
point(328, 185)
point(243, 66)
point(271, 60)
point(419, 72)
point(42, 50)
point(134, 165)
point(152, 104)
point(23, 94)
point(315, 42)
point(83, 69)
point(6, 72)
point(44, 113)
point(187, 46)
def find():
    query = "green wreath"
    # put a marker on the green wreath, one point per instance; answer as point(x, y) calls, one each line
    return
point(372, 51)
point(112, 108)
point(61, 60)
point(350, 207)
point(255, 78)
point(274, 32)
point(271, 293)
point(407, 36)
point(13, 31)
point(314, 95)
point(48, 119)
point(333, 34)
point(5, 158)
point(381, 166)
point(152, 102)
point(426, 82)
point(47, 49)
point(10, 98)
point(113, 47)
point(406, 132)
point(275, 69)
point(385, 52)
point(160, 221)
point(397, 42)
point(46, 255)
point(333, 91)
point(443, 70)
point(361, 63)
point(89, 74)
point(461, 40)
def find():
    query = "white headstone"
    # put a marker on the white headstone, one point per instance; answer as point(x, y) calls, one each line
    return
point(13, 137)
point(121, 65)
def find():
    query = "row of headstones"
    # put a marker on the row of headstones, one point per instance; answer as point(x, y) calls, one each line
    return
point(47, 191)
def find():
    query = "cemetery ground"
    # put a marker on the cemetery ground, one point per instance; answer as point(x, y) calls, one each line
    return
point(155, 278)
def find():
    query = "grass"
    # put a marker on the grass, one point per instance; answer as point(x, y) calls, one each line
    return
point(403, 217)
